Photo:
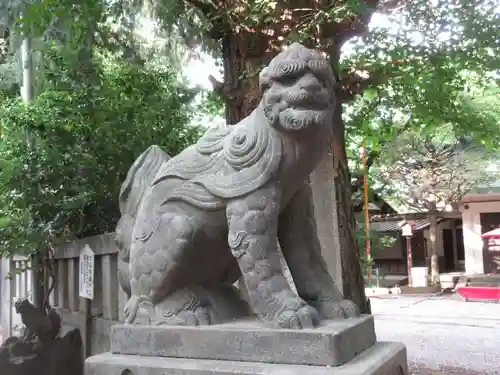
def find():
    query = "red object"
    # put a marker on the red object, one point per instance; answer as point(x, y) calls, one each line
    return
point(479, 292)
point(495, 233)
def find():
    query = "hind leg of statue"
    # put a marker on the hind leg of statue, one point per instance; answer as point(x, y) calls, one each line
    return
point(301, 249)
point(253, 222)
point(154, 260)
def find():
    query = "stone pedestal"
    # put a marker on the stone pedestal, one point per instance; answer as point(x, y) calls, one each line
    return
point(246, 347)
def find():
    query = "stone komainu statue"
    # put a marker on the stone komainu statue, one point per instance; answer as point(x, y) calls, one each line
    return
point(193, 224)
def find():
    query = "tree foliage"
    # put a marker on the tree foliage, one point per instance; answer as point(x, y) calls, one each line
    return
point(64, 181)
point(434, 171)
point(409, 68)
point(439, 57)
point(379, 242)
point(101, 100)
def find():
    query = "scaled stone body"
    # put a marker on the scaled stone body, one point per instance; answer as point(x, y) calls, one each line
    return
point(193, 224)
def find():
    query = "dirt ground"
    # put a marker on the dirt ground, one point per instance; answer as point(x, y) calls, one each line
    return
point(443, 371)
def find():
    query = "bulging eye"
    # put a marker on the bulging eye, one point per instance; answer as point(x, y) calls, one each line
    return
point(318, 65)
point(288, 69)
point(323, 70)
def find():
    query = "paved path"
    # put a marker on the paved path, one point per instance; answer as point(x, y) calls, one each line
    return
point(442, 332)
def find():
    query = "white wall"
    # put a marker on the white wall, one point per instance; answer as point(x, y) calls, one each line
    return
point(473, 243)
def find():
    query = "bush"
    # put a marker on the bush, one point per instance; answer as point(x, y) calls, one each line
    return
point(64, 155)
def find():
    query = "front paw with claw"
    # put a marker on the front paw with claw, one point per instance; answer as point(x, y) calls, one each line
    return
point(138, 310)
point(337, 309)
point(303, 317)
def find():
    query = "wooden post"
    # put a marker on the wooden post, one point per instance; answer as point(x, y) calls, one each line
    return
point(73, 285)
point(433, 243)
point(8, 292)
point(62, 283)
point(367, 217)
point(409, 259)
point(37, 284)
point(407, 231)
point(109, 287)
point(86, 274)
point(455, 245)
point(87, 322)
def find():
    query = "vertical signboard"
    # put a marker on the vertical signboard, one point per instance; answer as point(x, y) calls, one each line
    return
point(86, 277)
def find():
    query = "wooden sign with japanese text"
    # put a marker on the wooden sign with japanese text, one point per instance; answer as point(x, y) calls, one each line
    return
point(86, 276)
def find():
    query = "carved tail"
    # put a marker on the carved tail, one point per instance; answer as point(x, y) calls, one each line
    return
point(139, 178)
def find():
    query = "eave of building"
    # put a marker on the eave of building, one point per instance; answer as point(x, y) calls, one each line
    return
point(484, 197)
point(395, 225)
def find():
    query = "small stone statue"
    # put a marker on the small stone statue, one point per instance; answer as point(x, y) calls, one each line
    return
point(43, 327)
point(193, 224)
point(39, 351)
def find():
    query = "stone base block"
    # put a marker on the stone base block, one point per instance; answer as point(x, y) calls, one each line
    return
point(334, 343)
point(383, 358)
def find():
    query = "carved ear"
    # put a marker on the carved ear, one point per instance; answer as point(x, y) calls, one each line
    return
point(264, 80)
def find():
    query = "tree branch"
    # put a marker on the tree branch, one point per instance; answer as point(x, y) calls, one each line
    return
point(207, 7)
point(390, 6)
point(371, 158)
point(217, 85)
point(355, 81)
point(221, 88)
point(213, 11)
point(353, 84)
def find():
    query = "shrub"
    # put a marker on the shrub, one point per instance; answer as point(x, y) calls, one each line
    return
point(64, 155)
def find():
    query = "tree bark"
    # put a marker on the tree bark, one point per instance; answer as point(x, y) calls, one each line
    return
point(244, 55)
point(353, 283)
point(433, 245)
point(27, 64)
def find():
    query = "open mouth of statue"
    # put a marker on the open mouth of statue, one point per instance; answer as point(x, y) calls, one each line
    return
point(317, 100)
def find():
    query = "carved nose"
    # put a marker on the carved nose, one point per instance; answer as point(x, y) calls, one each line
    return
point(309, 83)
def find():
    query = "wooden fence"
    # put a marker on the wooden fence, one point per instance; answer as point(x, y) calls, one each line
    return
point(16, 283)
point(93, 317)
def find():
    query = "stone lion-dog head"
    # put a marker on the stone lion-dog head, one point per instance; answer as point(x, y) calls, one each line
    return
point(297, 89)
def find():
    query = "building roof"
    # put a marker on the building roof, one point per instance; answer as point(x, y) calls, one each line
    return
point(395, 225)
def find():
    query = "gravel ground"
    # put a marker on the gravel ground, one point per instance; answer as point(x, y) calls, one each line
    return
point(443, 335)
point(442, 371)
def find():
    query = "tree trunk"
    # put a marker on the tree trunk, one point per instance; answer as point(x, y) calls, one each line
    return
point(433, 244)
point(244, 55)
point(353, 284)
point(27, 68)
